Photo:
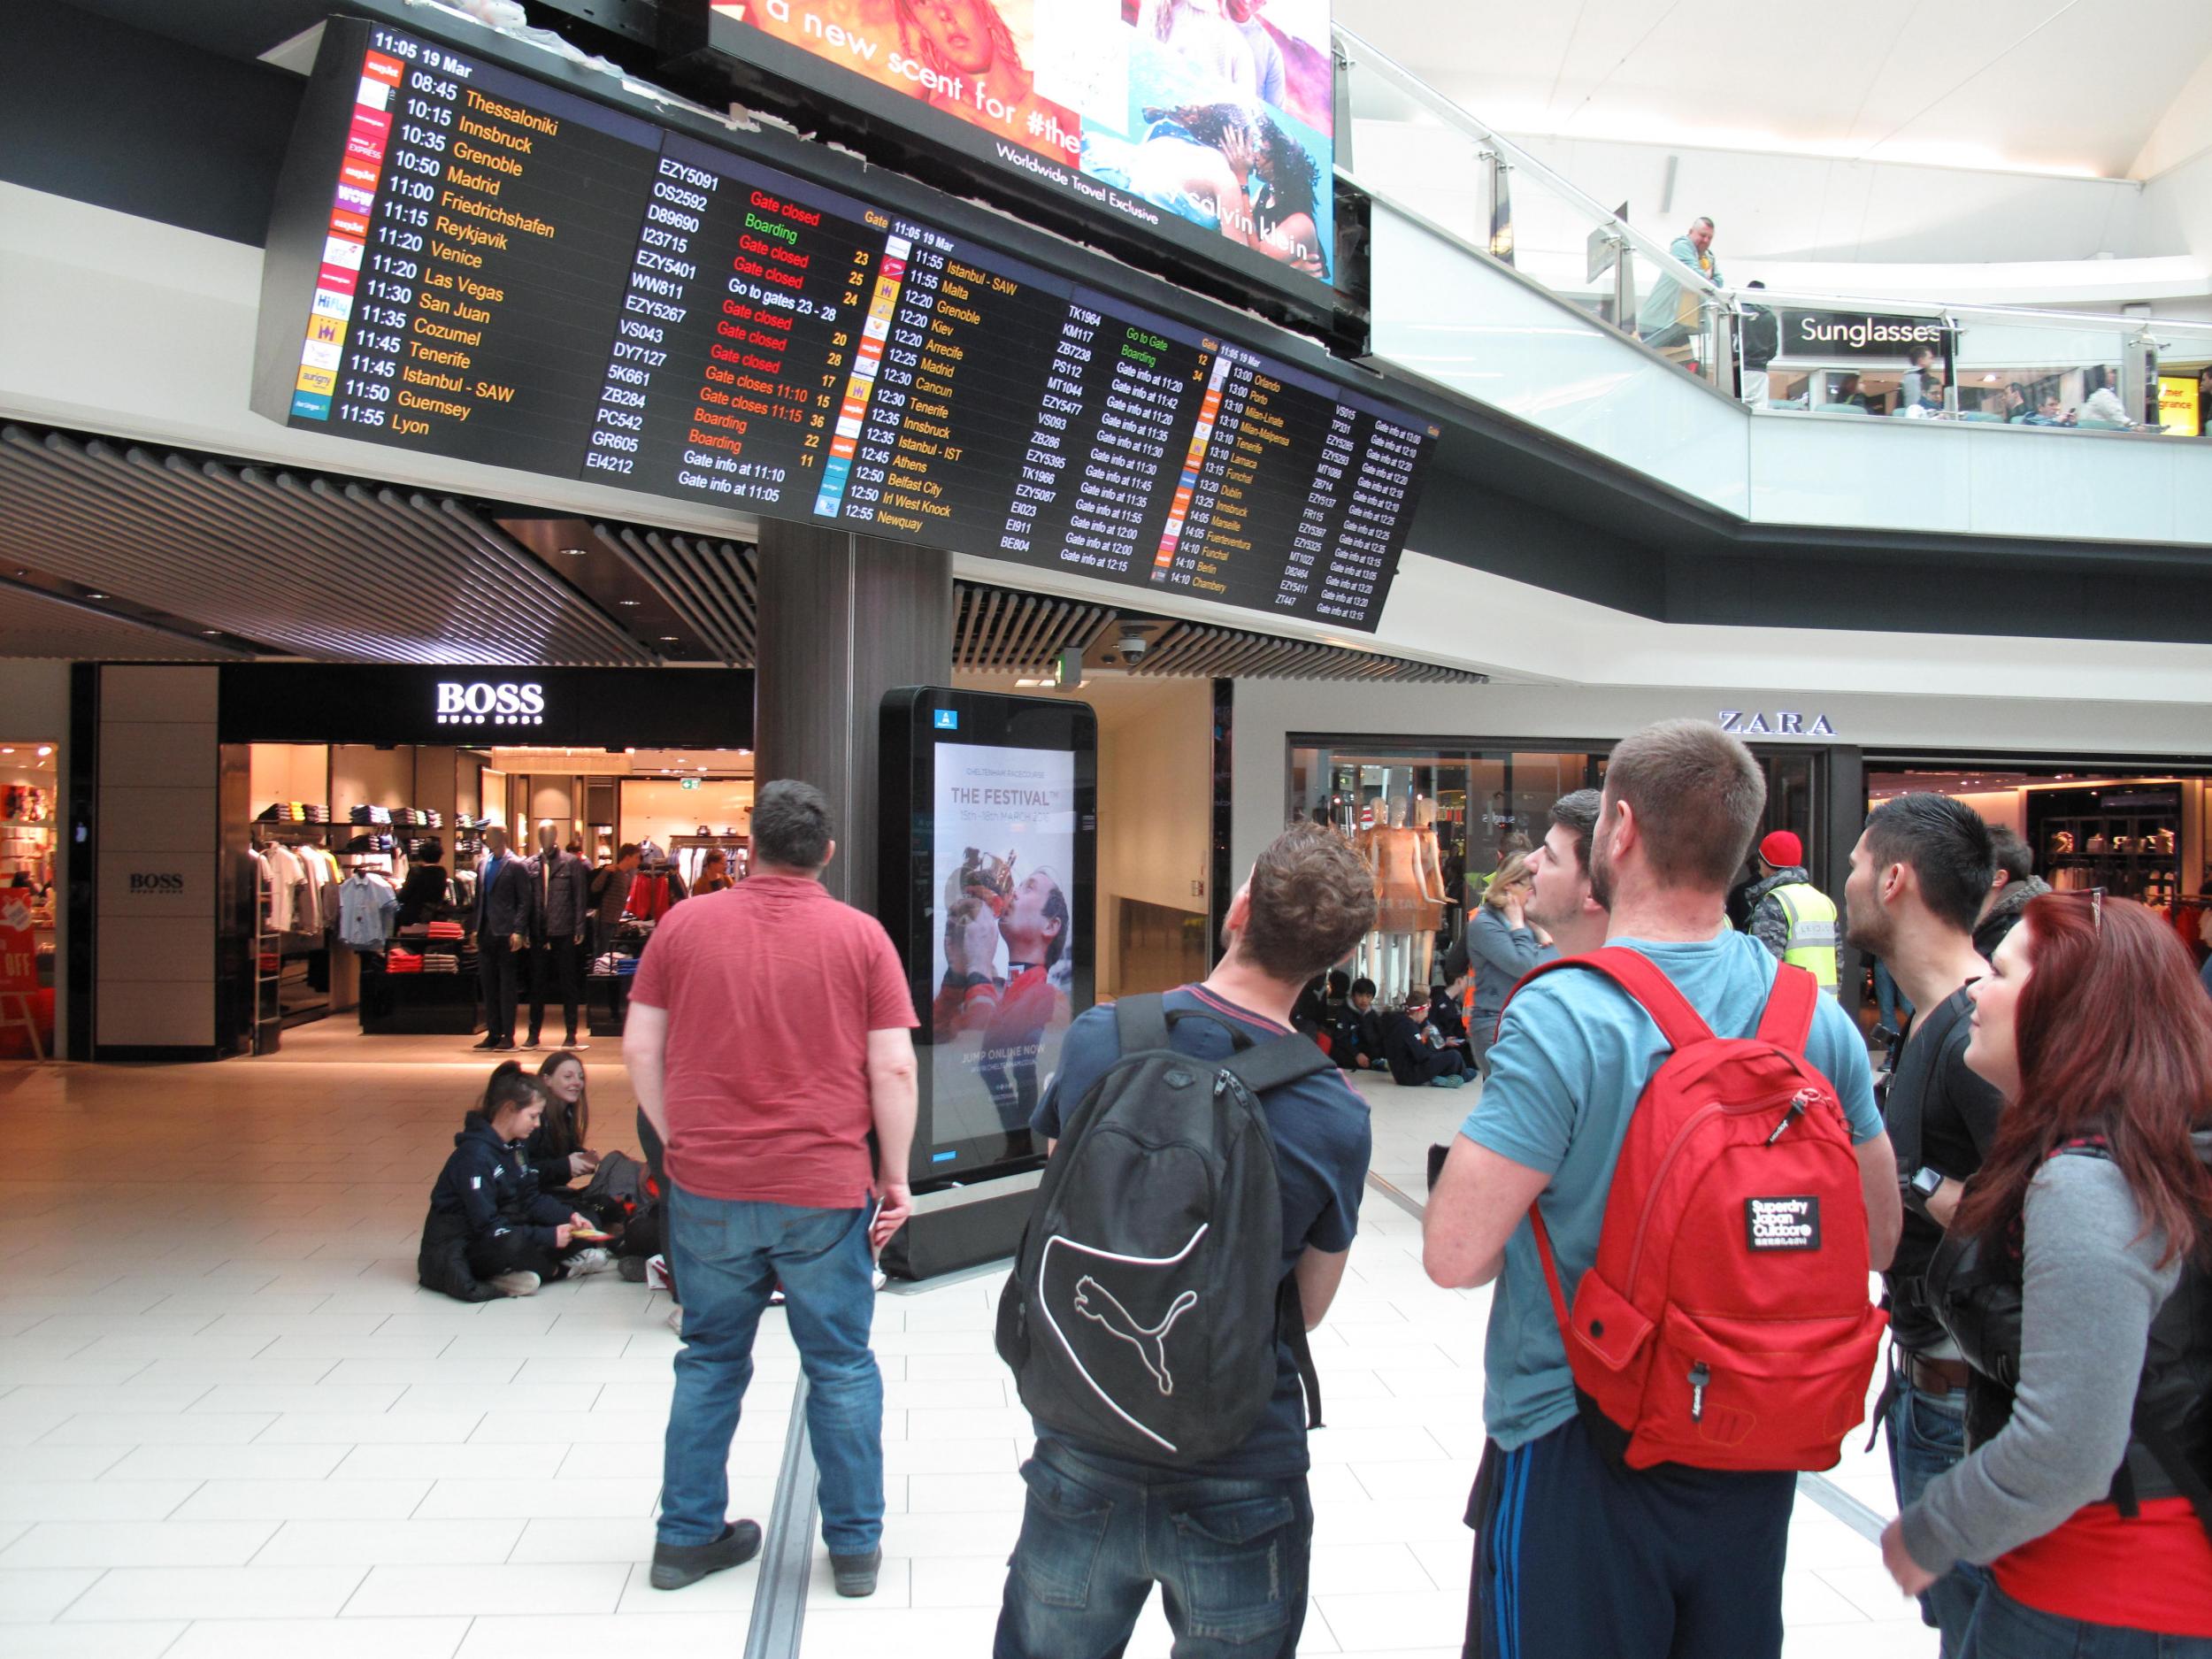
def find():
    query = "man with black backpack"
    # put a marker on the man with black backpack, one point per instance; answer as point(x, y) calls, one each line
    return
point(1918, 877)
point(1191, 1227)
point(1699, 1125)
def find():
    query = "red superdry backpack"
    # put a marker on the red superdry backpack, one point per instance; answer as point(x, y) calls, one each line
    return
point(1726, 1324)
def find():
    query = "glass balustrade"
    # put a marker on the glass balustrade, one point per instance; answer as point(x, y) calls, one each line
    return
point(1805, 356)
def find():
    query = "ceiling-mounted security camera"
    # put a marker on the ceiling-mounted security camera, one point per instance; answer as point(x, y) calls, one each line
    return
point(1131, 643)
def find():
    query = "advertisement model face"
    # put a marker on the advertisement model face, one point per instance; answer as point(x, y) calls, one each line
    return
point(1005, 824)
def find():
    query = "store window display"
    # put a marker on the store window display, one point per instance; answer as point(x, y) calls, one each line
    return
point(1410, 898)
point(29, 856)
point(1434, 819)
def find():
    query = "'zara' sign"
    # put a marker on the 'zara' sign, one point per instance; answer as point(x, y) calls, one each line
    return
point(1779, 722)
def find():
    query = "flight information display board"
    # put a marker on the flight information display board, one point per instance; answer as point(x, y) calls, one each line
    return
point(470, 263)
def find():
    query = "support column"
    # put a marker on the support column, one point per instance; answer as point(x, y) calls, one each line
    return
point(843, 619)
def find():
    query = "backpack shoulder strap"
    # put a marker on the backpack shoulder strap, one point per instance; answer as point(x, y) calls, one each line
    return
point(1279, 1060)
point(1141, 1023)
point(1787, 1021)
point(1641, 978)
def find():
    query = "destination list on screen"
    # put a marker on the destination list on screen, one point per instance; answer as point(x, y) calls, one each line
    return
point(510, 274)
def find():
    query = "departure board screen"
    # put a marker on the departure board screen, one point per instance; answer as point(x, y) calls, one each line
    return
point(471, 262)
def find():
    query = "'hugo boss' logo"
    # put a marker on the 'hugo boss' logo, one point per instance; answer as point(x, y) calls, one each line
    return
point(490, 702)
point(155, 881)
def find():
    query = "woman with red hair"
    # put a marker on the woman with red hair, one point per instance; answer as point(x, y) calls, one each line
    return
point(2075, 1282)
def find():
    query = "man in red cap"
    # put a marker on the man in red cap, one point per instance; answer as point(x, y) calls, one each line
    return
point(1790, 916)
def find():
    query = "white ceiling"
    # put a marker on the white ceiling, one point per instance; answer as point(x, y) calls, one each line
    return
point(2063, 84)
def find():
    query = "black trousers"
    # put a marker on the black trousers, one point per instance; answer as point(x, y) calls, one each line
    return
point(561, 960)
point(496, 964)
point(513, 1253)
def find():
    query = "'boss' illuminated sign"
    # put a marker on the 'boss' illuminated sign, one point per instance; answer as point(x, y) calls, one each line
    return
point(490, 702)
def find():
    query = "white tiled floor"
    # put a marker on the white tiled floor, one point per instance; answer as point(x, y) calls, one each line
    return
point(231, 1425)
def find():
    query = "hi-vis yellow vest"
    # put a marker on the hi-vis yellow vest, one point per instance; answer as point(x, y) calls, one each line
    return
point(1812, 941)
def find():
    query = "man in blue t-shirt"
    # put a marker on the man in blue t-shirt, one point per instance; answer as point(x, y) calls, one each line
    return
point(1227, 1540)
point(1575, 1555)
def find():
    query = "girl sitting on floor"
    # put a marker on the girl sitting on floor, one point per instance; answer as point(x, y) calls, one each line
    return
point(515, 1237)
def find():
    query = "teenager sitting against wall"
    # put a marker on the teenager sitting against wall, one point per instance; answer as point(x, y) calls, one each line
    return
point(490, 1230)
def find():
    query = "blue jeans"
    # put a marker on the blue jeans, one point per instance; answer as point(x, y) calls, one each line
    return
point(2005, 1629)
point(728, 1255)
point(1887, 998)
point(1229, 1558)
point(1927, 1434)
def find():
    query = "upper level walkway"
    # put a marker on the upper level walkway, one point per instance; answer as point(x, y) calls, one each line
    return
point(1771, 408)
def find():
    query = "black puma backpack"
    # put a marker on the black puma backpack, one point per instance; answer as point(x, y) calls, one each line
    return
point(1149, 1296)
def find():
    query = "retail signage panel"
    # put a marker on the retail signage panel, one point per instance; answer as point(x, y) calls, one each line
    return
point(1775, 723)
point(1210, 127)
point(1856, 335)
point(470, 263)
point(590, 708)
point(988, 869)
point(2178, 405)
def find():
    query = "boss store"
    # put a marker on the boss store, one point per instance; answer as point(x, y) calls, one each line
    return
point(295, 849)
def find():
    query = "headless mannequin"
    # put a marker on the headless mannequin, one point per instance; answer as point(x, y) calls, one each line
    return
point(1410, 901)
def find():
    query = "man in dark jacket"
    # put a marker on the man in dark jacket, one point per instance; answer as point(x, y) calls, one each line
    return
point(2012, 884)
point(506, 907)
point(1356, 1041)
point(560, 910)
point(1414, 1062)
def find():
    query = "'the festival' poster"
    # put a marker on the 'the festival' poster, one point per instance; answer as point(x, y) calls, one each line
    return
point(1003, 954)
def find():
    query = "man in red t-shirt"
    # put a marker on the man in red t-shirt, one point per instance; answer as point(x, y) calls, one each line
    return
point(769, 1029)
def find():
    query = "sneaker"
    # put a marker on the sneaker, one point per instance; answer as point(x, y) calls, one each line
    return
point(519, 1283)
point(1455, 1079)
point(489, 1041)
point(675, 1320)
point(855, 1575)
point(588, 1261)
point(573, 1045)
point(676, 1565)
point(632, 1268)
point(533, 1045)
point(656, 1273)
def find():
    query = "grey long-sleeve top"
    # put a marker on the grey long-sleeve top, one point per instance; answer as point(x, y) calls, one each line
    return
point(1500, 954)
point(2091, 1287)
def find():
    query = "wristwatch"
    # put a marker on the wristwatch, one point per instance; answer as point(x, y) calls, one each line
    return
point(1923, 1185)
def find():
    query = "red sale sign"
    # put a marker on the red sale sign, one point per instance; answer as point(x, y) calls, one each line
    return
point(19, 950)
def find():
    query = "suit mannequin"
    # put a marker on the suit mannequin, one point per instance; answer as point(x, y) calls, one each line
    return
point(506, 902)
point(561, 911)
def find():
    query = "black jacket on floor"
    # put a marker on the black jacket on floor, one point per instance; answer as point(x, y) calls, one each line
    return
point(492, 1188)
point(1354, 1034)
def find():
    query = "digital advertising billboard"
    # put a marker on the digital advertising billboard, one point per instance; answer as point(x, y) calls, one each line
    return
point(1209, 123)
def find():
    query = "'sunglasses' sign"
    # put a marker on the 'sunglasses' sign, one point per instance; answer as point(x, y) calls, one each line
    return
point(490, 702)
point(1859, 334)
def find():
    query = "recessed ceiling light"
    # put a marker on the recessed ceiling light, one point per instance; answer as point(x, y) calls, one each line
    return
point(576, 552)
point(626, 602)
point(212, 634)
point(668, 638)
point(45, 749)
point(96, 595)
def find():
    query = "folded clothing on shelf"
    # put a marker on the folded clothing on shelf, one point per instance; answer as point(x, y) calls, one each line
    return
point(396, 961)
point(443, 930)
point(293, 812)
point(368, 844)
point(438, 962)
